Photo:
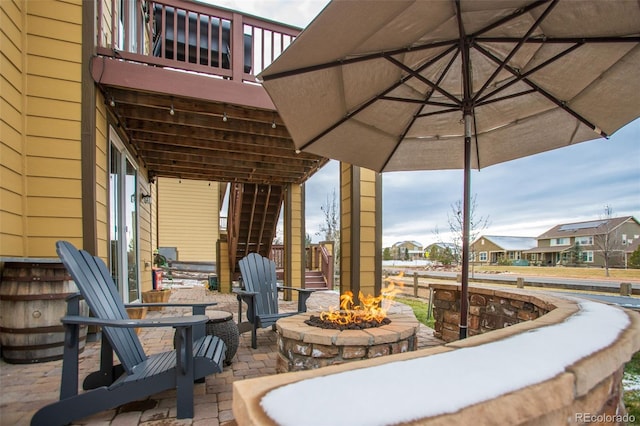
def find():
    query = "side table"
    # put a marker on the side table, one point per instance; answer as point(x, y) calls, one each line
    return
point(221, 324)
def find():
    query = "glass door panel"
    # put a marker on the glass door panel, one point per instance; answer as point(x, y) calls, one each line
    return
point(123, 222)
point(115, 259)
point(131, 227)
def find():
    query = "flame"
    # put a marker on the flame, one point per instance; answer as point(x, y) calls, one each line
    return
point(370, 309)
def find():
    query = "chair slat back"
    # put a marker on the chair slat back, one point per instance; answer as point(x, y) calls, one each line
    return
point(259, 275)
point(98, 289)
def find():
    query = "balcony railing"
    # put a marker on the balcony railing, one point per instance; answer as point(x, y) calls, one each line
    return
point(190, 36)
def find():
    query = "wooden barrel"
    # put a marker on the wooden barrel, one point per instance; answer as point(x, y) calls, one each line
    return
point(32, 301)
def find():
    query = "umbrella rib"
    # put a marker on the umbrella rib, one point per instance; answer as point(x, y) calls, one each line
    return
point(560, 40)
point(430, 114)
point(363, 58)
point(417, 101)
point(517, 13)
point(484, 101)
point(426, 81)
point(549, 96)
point(528, 73)
point(515, 50)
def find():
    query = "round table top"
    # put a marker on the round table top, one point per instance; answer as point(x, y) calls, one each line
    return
point(219, 316)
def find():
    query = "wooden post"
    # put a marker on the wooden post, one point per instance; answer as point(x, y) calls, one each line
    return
point(520, 282)
point(415, 284)
point(625, 289)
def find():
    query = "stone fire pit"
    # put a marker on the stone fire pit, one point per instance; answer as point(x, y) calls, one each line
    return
point(305, 347)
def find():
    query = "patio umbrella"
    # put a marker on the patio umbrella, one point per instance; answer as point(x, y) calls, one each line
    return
point(457, 84)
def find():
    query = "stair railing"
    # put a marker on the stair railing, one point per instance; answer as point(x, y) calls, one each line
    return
point(326, 264)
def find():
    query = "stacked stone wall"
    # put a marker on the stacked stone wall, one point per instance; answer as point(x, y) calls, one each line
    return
point(489, 310)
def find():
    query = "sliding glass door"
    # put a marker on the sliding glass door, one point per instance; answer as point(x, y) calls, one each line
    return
point(123, 225)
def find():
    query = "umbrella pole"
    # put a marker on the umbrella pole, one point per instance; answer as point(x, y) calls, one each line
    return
point(464, 293)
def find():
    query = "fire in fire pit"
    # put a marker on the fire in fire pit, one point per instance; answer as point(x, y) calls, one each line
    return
point(372, 311)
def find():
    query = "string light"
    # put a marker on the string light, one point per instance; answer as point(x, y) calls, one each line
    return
point(224, 117)
point(172, 111)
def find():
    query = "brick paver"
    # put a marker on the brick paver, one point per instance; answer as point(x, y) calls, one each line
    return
point(27, 387)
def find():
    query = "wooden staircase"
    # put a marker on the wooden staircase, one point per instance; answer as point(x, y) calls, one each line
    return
point(315, 280)
point(254, 210)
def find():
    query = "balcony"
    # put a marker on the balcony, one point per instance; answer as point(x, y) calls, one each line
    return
point(178, 78)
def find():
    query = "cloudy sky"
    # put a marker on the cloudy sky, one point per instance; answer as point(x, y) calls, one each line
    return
point(524, 197)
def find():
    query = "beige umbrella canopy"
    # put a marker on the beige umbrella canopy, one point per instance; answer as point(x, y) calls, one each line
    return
point(446, 84)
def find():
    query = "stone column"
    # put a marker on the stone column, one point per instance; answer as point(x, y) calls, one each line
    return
point(360, 230)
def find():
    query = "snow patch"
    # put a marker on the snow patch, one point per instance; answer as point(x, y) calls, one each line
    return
point(447, 382)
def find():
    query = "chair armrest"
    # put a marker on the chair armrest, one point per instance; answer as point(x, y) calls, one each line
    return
point(187, 321)
point(196, 308)
point(304, 294)
point(185, 305)
point(301, 290)
point(245, 293)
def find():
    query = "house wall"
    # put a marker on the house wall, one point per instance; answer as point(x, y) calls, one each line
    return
point(40, 175)
point(188, 218)
point(488, 247)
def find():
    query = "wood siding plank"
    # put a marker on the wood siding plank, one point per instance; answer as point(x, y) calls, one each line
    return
point(189, 218)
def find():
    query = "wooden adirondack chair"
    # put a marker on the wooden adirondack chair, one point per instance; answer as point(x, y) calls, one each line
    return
point(138, 376)
point(261, 295)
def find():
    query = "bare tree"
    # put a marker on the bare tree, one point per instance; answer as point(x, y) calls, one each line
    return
point(456, 225)
point(330, 228)
point(608, 242)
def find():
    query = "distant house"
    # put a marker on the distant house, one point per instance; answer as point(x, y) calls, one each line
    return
point(586, 243)
point(435, 251)
point(491, 249)
point(407, 250)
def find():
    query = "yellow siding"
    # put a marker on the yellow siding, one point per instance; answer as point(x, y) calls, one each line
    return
point(345, 227)
point(367, 231)
point(40, 82)
point(105, 37)
point(293, 236)
point(12, 241)
point(366, 223)
point(50, 147)
point(144, 228)
point(102, 179)
point(188, 218)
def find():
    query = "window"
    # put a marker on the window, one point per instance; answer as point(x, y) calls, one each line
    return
point(585, 241)
point(587, 256)
point(559, 242)
point(483, 256)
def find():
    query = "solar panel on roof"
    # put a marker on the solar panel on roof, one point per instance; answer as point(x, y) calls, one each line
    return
point(582, 225)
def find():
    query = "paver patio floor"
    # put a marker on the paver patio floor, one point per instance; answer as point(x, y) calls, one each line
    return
point(27, 387)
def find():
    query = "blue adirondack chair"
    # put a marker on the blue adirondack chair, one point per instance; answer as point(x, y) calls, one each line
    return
point(196, 355)
point(261, 295)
